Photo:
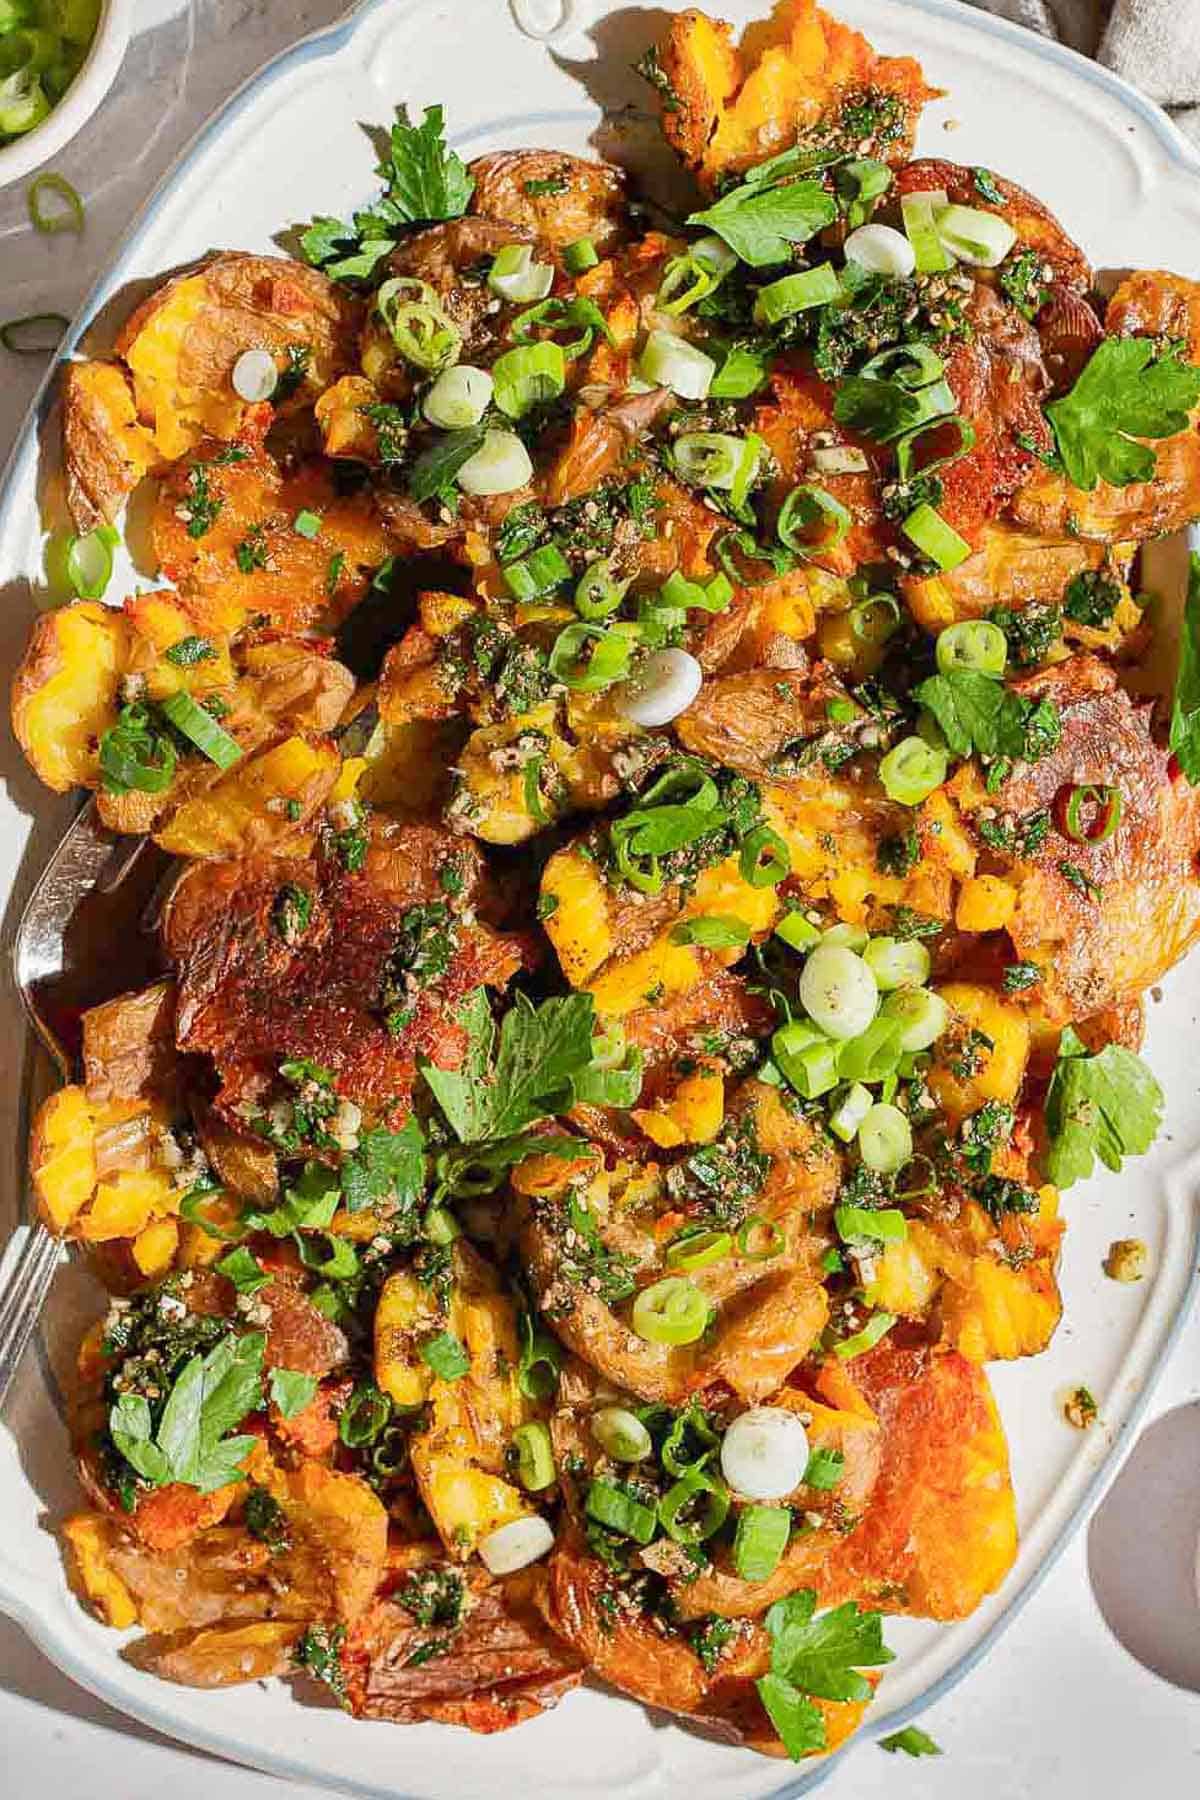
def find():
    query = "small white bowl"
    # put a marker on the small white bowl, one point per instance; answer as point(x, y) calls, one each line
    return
point(80, 100)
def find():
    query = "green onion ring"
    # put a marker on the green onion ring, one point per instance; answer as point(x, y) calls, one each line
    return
point(70, 219)
point(11, 330)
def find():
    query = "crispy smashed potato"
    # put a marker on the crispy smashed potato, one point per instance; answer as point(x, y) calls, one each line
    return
point(106, 452)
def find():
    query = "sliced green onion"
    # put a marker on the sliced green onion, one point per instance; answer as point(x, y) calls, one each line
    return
point(921, 1015)
point(838, 992)
point(806, 1057)
point(531, 375)
point(1109, 803)
point(89, 561)
point(697, 1249)
point(201, 729)
point(920, 226)
point(712, 931)
point(621, 1434)
point(517, 278)
point(973, 644)
point(598, 593)
point(851, 937)
point(912, 770)
point(875, 619)
point(458, 398)
point(906, 445)
point(420, 330)
point(853, 1108)
point(809, 508)
point(363, 1417)
point(874, 1054)
point(797, 932)
point(68, 216)
point(691, 277)
point(741, 374)
point(440, 1226)
point(580, 256)
point(608, 662)
point(36, 334)
point(870, 1224)
point(760, 1541)
point(897, 962)
point(934, 538)
point(712, 596)
point(619, 1511)
point(543, 570)
point(501, 465)
point(679, 1501)
point(532, 783)
point(765, 859)
point(671, 362)
point(340, 1261)
point(882, 250)
point(192, 1213)
point(535, 1458)
point(911, 366)
point(793, 294)
point(307, 524)
point(773, 1244)
point(709, 459)
point(973, 236)
point(876, 1327)
point(672, 1311)
point(23, 106)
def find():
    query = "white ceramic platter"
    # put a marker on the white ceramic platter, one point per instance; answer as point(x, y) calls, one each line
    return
point(290, 144)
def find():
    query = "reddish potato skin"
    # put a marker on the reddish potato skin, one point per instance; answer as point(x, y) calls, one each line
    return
point(588, 200)
point(1035, 225)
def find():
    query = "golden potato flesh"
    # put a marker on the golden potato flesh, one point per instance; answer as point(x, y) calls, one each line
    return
point(65, 691)
point(105, 450)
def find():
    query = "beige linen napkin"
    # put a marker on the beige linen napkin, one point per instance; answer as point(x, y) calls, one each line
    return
point(1155, 44)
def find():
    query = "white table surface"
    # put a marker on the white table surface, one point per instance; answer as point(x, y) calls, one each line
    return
point(1058, 1709)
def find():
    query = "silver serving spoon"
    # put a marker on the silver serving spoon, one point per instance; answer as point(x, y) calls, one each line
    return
point(86, 918)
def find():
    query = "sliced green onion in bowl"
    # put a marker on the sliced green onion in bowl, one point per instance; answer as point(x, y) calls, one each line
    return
point(793, 294)
point(89, 561)
point(36, 334)
point(458, 398)
point(765, 859)
point(934, 538)
point(850, 937)
point(920, 226)
point(697, 1249)
point(911, 771)
point(671, 362)
point(543, 570)
point(882, 250)
point(676, 1508)
point(621, 1434)
point(589, 670)
point(515, 1545)
point(812, 510)
point(535, 1457)
point(921, 1015)
point(672, 1311)
point(876, 1327)
point(515, 277)
point(897, 962)
point(885, 1140)
point(874, 1054)
point(973, 644)
point(501, 465)
point(806, 1058)
point(580, 256)
point(598, 593)
point(201, 729)
point(797, 932)
point(974, 236)
point(66, 216)
point(850, 1112)
point(531, 375)
point(760, 1239)
point(254, 377)
point(760, 1540)
point(838, 991)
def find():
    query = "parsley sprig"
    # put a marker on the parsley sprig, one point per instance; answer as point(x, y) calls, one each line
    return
point(1130, 388)
point(1107, 1106)
point(816, 1654)
point(211, 1395)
